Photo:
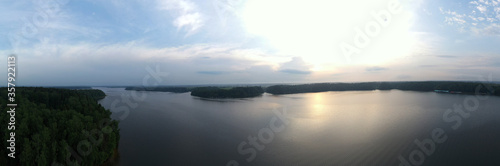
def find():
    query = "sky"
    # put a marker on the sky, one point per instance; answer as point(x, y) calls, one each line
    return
point(193, 42)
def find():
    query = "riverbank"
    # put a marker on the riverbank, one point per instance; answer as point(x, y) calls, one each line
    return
point(453, 87)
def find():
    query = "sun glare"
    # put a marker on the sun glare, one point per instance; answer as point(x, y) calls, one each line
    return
point(314, 30)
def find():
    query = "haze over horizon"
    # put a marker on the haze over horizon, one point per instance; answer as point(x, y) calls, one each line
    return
point(93, 43)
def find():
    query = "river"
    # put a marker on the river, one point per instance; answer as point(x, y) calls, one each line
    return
point(327, 128)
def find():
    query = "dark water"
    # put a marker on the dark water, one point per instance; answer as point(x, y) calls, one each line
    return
point(329, 128)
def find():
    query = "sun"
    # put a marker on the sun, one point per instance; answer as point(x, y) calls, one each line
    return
point(296, 27)
point(314, 29)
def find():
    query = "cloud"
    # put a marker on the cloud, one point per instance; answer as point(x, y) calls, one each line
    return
point(491, 30)
point(375, 69)
point(403, 77)
point(291, 71)
point(446, 56)
point(211, 72)
point(455, 18)
point(187, 16)
point(191, 22)
point(481, 20)
point(426, 66)
point(295, 66)
point(481, 8)
point(124, 64)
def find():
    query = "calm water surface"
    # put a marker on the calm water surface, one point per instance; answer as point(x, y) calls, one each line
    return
point(328, 128)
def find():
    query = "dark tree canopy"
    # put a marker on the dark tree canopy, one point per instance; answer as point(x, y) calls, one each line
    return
point(236, 92)
point(95, 94)
point(59, 126)
point(253, 91)
point(463, 87)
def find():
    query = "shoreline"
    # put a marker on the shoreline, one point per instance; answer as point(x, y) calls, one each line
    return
point(449, 87)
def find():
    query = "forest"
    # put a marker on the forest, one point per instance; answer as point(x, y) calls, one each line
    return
point(58, 127)
point(93, 93)
point(463, 87)
point(252, 91)
point(235, 92)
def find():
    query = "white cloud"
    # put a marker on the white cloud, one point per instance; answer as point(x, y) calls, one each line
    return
point(455, 20)
point(491, 30)
point(482, 8)
point(481, 22)
point(191, 21)
point(453, 17)
point(186, 14)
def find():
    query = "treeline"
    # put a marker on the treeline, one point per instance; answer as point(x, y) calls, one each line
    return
point(58, 127)
point(464, 87)
point(236, 92)
point(95, 94)
point(319, 87)
point(160, 89)
point(70, 87)
point(241, 92)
